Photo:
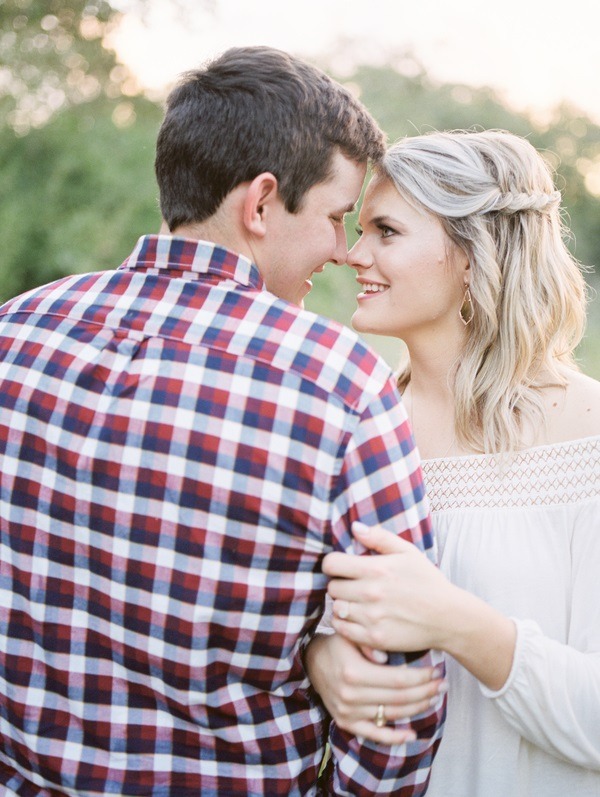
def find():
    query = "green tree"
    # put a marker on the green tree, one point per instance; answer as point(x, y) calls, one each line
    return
point(77, 193)
point(76, 144)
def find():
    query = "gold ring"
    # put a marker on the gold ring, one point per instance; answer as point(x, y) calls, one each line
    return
point(342, 609)
point(380, 716)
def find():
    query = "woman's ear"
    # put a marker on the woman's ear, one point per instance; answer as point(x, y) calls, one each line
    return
point(463, 263)
point(260, 196)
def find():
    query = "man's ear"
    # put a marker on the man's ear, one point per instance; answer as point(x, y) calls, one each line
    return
point(260, 196)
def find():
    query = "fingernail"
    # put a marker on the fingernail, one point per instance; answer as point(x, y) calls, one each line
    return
point(411, 736)
point(380, 656)
point(360, 528)
point(443, 687)
point(437, 673)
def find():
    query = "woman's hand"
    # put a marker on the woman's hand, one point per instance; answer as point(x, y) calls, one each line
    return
point(353, 688)
point(398, 602)
point(402, 602)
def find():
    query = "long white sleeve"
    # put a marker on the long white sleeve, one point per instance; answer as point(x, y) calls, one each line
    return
point(552, 696)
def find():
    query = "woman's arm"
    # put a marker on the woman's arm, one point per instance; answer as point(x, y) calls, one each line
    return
point(552, 696)
point(551, 693)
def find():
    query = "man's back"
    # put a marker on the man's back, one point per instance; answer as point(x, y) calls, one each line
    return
point(179, 449)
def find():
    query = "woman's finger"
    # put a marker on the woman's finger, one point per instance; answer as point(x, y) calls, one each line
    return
point(387, 735)
point(348, 589)
point(392, 677)
point(398, 706)
point(341, 609)
point(345, 565)
point(358, 631)
point(374, 655)
point(378, 539)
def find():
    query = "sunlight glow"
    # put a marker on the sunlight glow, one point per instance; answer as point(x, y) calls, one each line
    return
point(535, 58)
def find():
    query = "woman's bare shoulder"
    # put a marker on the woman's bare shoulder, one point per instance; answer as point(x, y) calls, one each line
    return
point(585, 393)
point(574, 412)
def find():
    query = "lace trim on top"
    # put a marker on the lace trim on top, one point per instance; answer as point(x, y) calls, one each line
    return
point(562, 473)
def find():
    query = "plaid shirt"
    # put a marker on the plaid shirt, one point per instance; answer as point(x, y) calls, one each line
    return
point(179, 449)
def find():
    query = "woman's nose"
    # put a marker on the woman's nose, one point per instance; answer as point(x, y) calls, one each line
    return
point(358, 257)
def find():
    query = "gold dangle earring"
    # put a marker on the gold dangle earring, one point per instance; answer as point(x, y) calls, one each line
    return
point(467, 311)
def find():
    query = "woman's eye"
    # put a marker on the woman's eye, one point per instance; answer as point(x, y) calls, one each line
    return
point(385, 231)
point(358, 231)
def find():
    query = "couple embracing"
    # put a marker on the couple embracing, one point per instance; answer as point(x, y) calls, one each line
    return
point(191, 462)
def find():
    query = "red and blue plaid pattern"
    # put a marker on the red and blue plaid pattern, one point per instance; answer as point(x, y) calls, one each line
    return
point(179, 448)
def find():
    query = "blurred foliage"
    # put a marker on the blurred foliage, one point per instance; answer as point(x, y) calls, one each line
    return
point(53, 55)
point(77, 149)
point(52, 58)
point(76, 194)
point(76, 144)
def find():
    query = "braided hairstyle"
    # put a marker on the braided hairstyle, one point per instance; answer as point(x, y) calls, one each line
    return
point(495, 197)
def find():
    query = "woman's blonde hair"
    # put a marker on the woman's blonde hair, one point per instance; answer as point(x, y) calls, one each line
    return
point(495, 196)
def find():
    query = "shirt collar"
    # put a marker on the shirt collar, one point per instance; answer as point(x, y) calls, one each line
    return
point(172, 253)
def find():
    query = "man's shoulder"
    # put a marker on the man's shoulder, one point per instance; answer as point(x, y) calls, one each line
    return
point(53, 293)
point(320, 353)
point(326, 353)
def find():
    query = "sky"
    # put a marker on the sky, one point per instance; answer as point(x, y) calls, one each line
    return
point(535, 53)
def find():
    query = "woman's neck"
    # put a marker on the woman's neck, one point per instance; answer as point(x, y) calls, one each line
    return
point(429, 399)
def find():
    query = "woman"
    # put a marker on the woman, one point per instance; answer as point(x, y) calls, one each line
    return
point(462, 256)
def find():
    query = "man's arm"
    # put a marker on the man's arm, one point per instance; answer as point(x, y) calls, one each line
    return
point(381, 482)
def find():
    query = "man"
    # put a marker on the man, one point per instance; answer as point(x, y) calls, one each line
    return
point(181, 444)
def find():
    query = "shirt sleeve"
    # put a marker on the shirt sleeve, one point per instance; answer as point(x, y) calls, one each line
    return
point(552, 695)
point(381, 482)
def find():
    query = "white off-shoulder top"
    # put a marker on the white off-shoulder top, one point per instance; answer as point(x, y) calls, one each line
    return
point(524, 535)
